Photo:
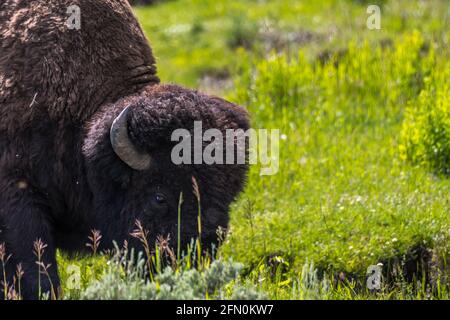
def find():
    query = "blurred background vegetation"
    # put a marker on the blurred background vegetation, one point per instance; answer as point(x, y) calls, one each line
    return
point(198, 39)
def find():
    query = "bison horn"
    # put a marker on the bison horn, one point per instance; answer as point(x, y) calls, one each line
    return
point(123, 146)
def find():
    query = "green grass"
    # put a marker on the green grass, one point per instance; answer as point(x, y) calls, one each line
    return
point(344, 198)
point(426, 130)
point(191, 37)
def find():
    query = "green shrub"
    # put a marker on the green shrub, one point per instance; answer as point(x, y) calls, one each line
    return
point(426, 130)
point(340, 121)
point(78, 272)
point(125, 279)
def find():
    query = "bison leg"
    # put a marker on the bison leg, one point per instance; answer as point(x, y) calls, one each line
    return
point(29, 242)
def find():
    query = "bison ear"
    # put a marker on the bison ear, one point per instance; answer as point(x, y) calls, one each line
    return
point(124, 147)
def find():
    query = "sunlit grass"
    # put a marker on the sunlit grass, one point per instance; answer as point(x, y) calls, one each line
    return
point(343, 198)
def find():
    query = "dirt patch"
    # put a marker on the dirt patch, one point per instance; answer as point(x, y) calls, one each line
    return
point(216, 82)
point(418, 264)
point(280, 40)
point(414, 265)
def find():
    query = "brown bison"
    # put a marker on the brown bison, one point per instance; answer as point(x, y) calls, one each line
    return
point(85, 137)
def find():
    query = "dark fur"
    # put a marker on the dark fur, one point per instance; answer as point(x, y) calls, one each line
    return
point(60, 90)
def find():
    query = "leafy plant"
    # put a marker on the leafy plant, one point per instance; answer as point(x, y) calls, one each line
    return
point(125, 279)
point(426, 130)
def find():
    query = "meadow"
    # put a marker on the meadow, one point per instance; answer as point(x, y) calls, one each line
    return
point(364, 117)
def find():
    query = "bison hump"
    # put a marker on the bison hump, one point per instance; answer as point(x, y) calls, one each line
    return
point(48, 64)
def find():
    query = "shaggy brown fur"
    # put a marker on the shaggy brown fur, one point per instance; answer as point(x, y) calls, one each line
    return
point(60, 91)
point(49, 70)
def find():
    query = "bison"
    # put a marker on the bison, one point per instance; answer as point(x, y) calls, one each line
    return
point(85, 138)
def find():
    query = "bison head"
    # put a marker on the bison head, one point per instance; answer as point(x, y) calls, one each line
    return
point(132, 176)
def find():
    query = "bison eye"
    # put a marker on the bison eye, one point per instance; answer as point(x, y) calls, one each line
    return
point(160, 199)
